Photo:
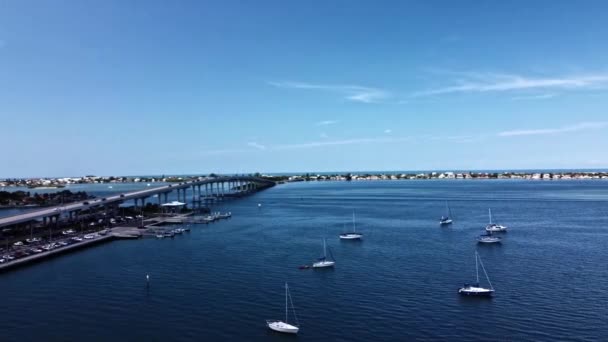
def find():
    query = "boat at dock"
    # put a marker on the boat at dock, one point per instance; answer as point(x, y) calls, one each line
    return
point(322, 262)
point(476, 289)
point(221, 216)
point(493, 227)
point(352, 235)
point(284, 326)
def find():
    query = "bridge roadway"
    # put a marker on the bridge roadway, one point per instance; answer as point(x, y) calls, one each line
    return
point(71, 207)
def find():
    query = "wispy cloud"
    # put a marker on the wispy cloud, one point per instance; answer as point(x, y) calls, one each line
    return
point(324, 143)
point(354, 93)
point(327, 122)
point(535, 97)
point(543, 131)
point(471, 82)
point(323, 135)
point(211, 152)
point(256, 145)
point(388, 131)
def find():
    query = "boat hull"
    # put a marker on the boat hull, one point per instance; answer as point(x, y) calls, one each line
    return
point(282, 327)
point(476, 292)
point(351, 236)
point(496, 229)
point(446, 222)
point(486, 240)
point(323, 264)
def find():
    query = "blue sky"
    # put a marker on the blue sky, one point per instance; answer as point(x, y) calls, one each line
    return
point(151, 87)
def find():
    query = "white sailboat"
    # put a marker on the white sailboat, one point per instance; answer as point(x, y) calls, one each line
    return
point(281, 326)
point(322, 261)
point(352, 235)
point(493, 227)
point(445, 220)
point(475, 289)
point(488, 238)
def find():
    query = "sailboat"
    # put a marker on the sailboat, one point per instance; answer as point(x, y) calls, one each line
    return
point(352, 235)
point(475, 289)
point(488, 238)
point(281, 326)
point(445, 220)
point(493, 227)
point(322, 261)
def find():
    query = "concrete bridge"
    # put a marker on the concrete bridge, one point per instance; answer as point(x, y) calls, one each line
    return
point(200, 189)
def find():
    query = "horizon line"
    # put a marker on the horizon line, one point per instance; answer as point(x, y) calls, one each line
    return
point(600, 169)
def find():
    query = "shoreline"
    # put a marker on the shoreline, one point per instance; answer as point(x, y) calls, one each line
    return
point(59, 183)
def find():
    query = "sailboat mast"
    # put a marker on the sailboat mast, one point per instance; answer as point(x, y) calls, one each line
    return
point(476, 267)
point(490, 214)
point(324, 249)
point(354, 227)
point(486, 273)
point(286, 294)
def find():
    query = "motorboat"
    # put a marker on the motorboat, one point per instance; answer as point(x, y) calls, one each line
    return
point(220, 216)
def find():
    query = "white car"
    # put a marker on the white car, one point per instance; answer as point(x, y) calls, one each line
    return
point(89, 236)
point(18, 243)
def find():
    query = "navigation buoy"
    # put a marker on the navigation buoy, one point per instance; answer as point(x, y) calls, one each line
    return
point(259, 205)
point(148, 279)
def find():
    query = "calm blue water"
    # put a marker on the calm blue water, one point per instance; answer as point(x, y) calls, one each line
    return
point(221, 281)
